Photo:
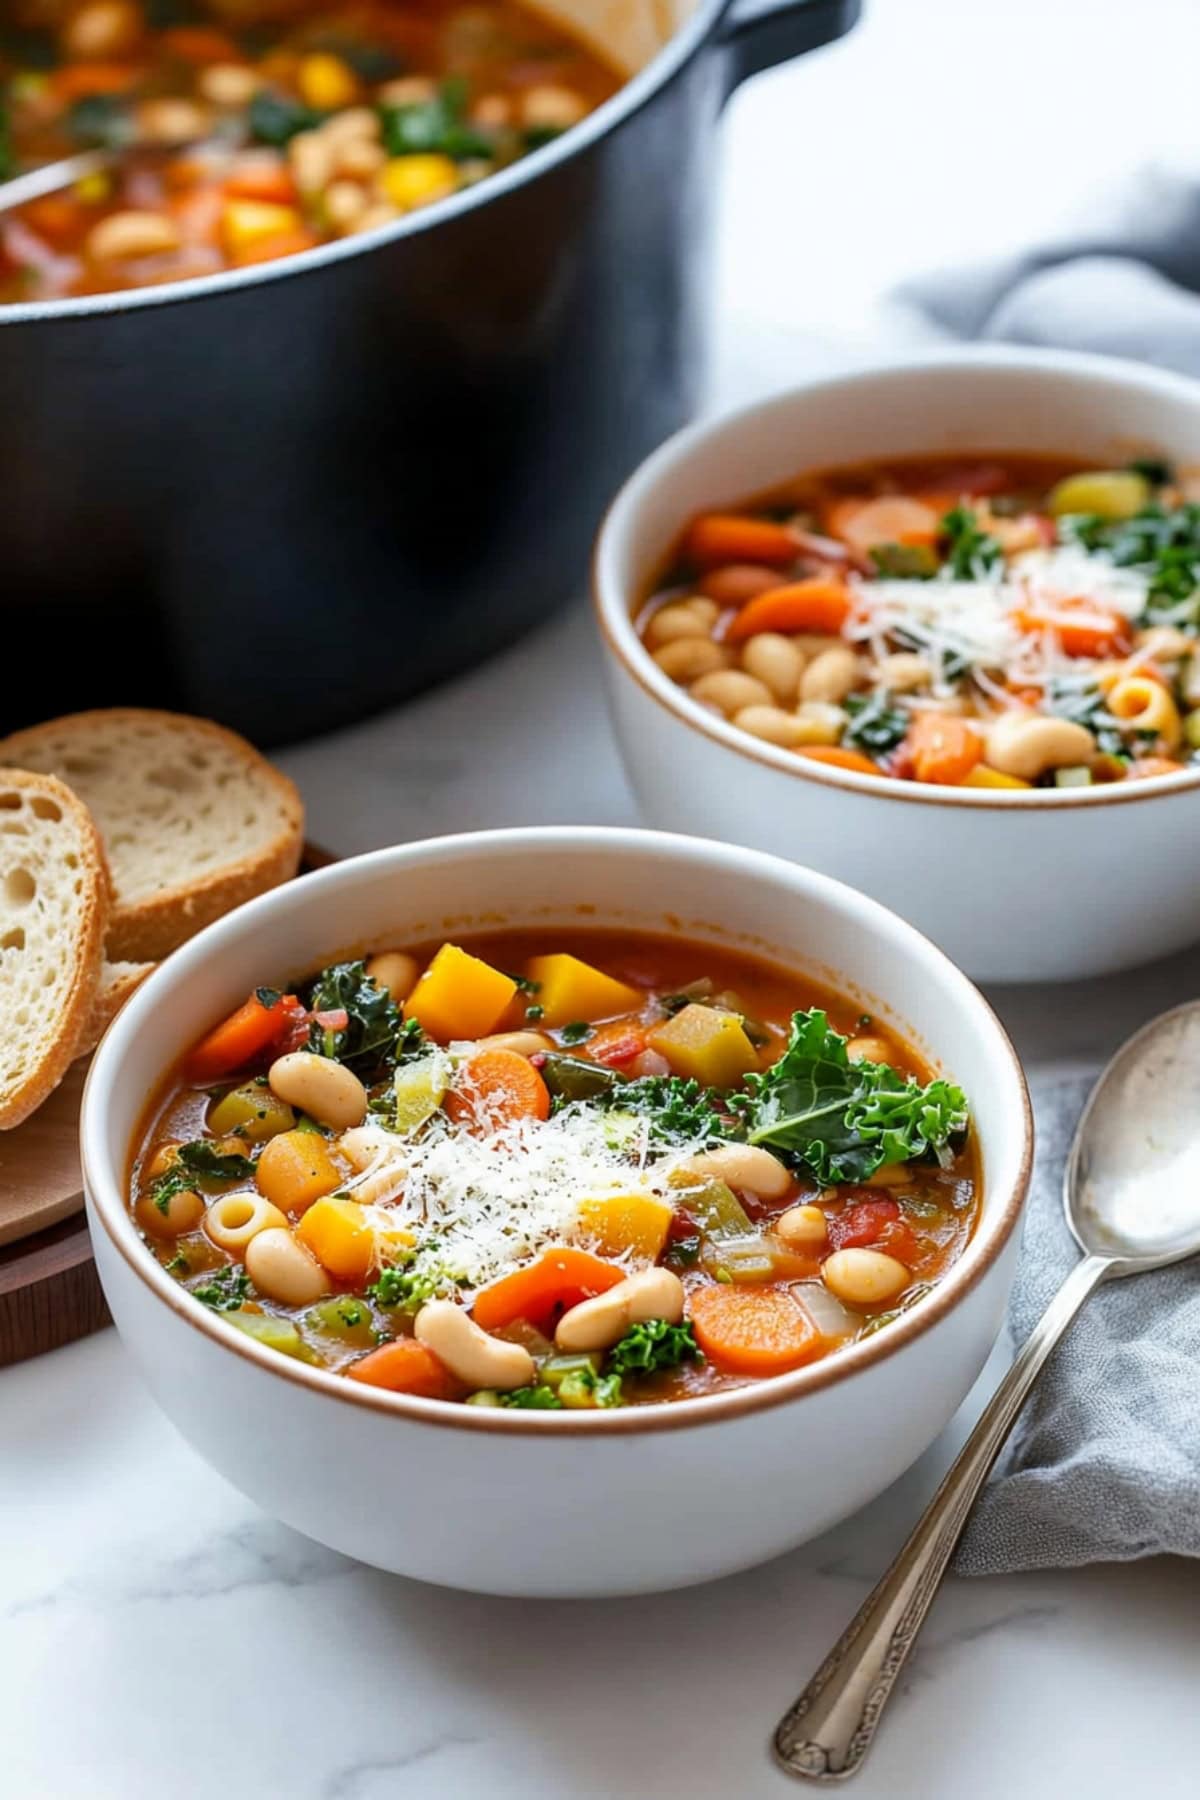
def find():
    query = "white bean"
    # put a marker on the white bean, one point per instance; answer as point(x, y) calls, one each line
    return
point(599, 1323)
point(685, 659)
point(773, 725)
point(729, 690)
point(280, 1267)
point(681, 619)
point(229, 84)
point(124, 235)
point(831, 675)
point(802, 1227)
point(394, 970)
point(1027, 745)
point(745, 1166)
point(775, 660)
point(903, 672)
point(864, 1277)
point(326, 1090)
point(869, 1049)
point(522, 1043)
point(476, 1358)
point(182, 1212)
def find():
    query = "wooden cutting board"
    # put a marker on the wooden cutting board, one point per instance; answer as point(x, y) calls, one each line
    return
point(49, 1290)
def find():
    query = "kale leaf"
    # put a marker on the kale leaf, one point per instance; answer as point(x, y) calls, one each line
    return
point(677, 1109)
point(406, 1286)
point(226, 1290)
point(439, 125)
point(654, 1344)
point(875, 725)
point(969, 552)
point(275, 119)
point(1163, 543)
point(840, 1120)
point(371, 1040)
point(200, 1161)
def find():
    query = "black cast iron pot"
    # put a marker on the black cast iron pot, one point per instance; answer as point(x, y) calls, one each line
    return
point(288, 495)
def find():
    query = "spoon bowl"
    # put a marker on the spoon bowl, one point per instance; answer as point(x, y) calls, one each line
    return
point(1131, 1194)
point(1131, 1190)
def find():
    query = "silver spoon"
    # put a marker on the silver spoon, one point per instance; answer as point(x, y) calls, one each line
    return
point(1131, 1193)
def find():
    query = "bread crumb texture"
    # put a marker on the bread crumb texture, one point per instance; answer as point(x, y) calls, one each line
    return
point(193, 819)
point(53, 902)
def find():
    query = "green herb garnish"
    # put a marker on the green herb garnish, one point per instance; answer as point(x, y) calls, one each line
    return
point(875, 724)
point(226, 1290)
point(577, 1032)
point(969, 552)
point(200, 1161)
point(275, 119)
point(439, 125)
point(655, 1344)
point(538, 1399)
point(1164, 545)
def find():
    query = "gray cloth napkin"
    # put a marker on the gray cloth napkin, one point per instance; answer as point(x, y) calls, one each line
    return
point(1104, 1465)
point(1126, 282)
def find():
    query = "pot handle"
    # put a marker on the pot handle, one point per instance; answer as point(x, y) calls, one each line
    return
point(757, 34)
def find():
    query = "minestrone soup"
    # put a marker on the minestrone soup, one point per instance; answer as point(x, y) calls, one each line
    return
point(249, 131)
point(1005, 623)
point(570, 1170)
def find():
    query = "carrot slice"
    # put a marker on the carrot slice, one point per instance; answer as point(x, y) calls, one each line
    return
point(819, 603)
point(837, 758)
point(78, 81)
point(733, 538)
point(495, 1088)
point(285, 243)
point(243, 1035)
point(754, 1330)
point(404, 1367)
point(891, 519)
point(944, 748)
point(1083, 627)
point(262, 181)
point(545, 1289)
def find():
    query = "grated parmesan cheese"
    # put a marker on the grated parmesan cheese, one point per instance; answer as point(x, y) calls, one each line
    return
point(495, 1201)
point(970, 623)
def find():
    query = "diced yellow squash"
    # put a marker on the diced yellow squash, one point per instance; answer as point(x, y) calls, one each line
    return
point(614, 1223)
point(708, 1045)
point(412, 181)
point(339, 1235)
point(569, 989)
point(245, 223)
point(326, 82)
point(295, 1169)
point(983, 777)
point(459, 996)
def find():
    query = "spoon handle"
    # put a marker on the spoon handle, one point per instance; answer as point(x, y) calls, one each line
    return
point(826, 1734)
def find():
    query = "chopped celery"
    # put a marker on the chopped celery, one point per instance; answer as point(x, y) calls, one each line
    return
point(484, 1397)
point(905, 562)
point(555, 1370)
point(252, 1112)
point(739, 1259)
point(276, 1334)
point(310, 1126)
point(1191, 729)
point(345, 1317)
point(1073, 777)
point(714, 1206)
point(419, 1089)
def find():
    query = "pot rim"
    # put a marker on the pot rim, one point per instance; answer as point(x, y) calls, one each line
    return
point(108, 1211)
point(629, 98)
point(614, 608)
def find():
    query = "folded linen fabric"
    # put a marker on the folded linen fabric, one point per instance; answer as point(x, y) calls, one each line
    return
point(1104, 1464)
point(1127, 282)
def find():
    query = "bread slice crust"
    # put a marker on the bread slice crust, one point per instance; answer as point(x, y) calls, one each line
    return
point(32, 865)
point(118, 980)
point(145, 926)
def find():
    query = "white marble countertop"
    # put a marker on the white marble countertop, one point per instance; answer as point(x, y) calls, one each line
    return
point(159, 1636)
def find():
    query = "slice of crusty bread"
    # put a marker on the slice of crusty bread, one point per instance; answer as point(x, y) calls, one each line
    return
point(53, 913)
point(117, 981)
point(194, 820)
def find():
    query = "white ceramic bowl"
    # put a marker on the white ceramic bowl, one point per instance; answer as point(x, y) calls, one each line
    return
point(560, 1504)
point(1039, 886)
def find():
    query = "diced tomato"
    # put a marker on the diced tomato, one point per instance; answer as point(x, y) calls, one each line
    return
point(335, 1020)
point(621, 1045)
point(862, 1223)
